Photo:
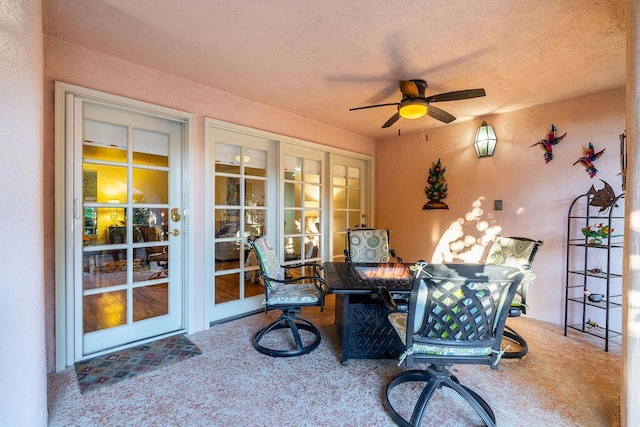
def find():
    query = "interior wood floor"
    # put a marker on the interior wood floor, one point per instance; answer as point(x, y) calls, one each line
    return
point(109, 309)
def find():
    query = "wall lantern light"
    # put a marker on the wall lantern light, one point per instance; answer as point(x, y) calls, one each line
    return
point(485, 143)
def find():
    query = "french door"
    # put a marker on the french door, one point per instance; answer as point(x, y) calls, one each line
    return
point(125, 188)
point(303, 197)
point(241, 196)
point(262, 183)
point(350, 201)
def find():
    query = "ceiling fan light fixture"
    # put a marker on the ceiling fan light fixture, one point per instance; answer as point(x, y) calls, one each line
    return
point(412, 109)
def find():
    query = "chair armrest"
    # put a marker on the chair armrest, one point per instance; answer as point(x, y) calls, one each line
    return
point(317, 268)
point(392, 252)
point(386, 298)
point(316, 280)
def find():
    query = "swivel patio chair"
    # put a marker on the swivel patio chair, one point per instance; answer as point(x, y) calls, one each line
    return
point(517, 252)
point(369, 245)
point(288, 295)
point(456, 315)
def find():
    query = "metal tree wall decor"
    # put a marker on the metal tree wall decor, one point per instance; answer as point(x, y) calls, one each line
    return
point(436, 188)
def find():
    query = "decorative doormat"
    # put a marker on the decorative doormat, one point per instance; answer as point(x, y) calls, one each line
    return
point(128, 363)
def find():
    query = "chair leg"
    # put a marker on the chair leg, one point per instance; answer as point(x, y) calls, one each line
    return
point(435, 378)
point(288, 320)
point(514, 337)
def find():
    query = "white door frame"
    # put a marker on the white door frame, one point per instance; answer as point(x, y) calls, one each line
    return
point(65, 209)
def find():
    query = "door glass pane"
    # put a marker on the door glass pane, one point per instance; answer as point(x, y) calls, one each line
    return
point(102, 269)
point(354, 177)
point(227, 255)
point(227, 287)
point(150, 148)
point(150, 301)
point(292, 221)
point(227, 223)
point(254, 222)
point(339, 221)
point(339, 175)
point(311, 196)
point(354, 198)
point(227, 158)
point(292, 248)
point(312, 222)
point(339, 244)
point(339, 198)
point(292, 168)
point(312, 170)
point(311, 247)
point(150, 186)
point(104, 184)
point(292, 195)
point(227, 191)
point(257, 163)
point(157, 261)
point(354, 219)
point(104, 141)
point(254, 192)
point(97, 221)
point(252, 285)
point(104, 310)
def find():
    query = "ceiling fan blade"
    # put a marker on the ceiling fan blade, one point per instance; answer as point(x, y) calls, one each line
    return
point(439, 114)
point(373, 106)
point(408, 88)
point(391, 120)
point(457, 95)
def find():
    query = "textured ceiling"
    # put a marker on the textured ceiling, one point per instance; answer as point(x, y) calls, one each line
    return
point(320, 58)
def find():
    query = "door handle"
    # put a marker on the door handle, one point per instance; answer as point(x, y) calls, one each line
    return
point(174, 232)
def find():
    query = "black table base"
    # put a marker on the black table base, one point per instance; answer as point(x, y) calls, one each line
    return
point(361, 318)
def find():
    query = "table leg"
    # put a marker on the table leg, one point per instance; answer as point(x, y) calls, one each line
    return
point(342, 321)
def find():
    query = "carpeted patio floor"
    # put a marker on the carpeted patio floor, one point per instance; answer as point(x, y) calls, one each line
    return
point(563, 381)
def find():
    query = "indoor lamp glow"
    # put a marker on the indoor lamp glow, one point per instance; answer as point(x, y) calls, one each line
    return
point(485, 142)
point(412, 109)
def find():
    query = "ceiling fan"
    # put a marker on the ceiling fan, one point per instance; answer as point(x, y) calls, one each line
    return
point(415, 104)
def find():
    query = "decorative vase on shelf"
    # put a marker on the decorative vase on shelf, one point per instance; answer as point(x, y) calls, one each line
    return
point(597, 233)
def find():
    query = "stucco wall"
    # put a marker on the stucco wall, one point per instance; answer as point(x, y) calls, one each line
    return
point(23, 384)
point(535, 195)
point(71, 64)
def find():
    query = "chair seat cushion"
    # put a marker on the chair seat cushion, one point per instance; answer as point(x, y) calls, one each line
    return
point(399, 323)
point(301, 293)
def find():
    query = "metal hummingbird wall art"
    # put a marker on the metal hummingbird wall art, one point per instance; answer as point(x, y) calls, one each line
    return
point(589, 157)
point(548, 143)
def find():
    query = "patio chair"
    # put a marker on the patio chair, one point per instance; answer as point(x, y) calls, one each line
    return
point(369, 245)
point(517, 252)
point(456, 315)
point(288, 295)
